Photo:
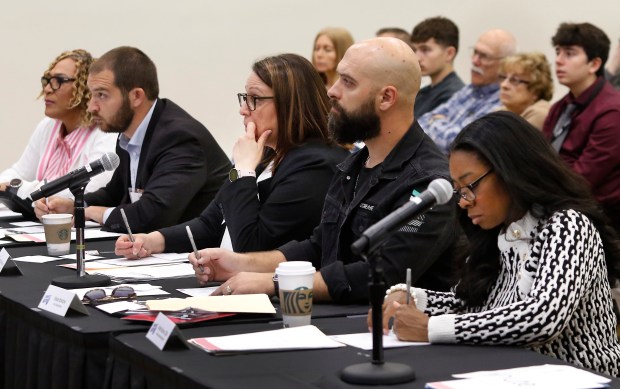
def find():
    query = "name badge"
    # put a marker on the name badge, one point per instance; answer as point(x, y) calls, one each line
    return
point(8, 267)
point(58, 301)
point(164, 333)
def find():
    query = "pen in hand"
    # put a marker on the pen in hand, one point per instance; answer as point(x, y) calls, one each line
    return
point(196, 253)
point(131, 238)
point(408, 285)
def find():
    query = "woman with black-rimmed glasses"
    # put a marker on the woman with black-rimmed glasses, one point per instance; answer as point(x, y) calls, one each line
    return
point(284, 163)
point(65, 139)
point(542, 255)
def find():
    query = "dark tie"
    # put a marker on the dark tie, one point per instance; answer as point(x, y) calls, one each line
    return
point(561, 127)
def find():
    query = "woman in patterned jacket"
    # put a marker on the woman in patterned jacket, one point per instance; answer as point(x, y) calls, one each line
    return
point(542, 255)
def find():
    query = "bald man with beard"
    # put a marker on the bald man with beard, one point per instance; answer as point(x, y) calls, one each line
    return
point(372, 101)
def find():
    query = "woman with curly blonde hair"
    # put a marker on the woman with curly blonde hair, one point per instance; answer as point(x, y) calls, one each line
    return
point(65, 139)
point(526, 86)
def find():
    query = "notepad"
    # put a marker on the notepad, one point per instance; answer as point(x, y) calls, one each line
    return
point(296, 338)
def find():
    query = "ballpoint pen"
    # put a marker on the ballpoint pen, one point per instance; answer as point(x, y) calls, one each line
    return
point(408, 285)
point(131, 238)
point(196, 253)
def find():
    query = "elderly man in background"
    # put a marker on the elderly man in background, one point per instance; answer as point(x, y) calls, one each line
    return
point(478, 98)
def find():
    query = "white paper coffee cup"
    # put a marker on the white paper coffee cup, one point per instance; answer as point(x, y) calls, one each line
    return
point(295, 280)
point(57, 228)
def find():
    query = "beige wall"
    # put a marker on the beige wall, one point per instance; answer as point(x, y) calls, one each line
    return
point(204, 49)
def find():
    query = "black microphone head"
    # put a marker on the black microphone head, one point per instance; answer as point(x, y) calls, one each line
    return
point(110, 161)
point(441, 190)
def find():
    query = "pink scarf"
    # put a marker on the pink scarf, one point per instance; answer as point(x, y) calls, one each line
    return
point(62, 152)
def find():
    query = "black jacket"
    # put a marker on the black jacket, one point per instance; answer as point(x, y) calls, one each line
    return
point(423, 245)
point(261, 217)
point(180, 170)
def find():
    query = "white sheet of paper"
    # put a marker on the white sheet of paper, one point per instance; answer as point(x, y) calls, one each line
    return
point(194, 292)
point(296, 338)
point(119, 306)
point(90, 266)
point(25, 224)
point(172, 257)
point(242, 303)
point(89, 233)
point(364, 341)
point(152, 260)
point(149, 272)
point(87, 257)
point(36, 259)
point(541, 376)
point(36, 229)
point(6, 213)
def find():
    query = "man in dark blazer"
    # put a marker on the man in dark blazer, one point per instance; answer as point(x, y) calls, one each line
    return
point(170, 167)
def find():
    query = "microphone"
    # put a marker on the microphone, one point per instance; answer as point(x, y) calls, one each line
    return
point(439, 192)
point(107, 162)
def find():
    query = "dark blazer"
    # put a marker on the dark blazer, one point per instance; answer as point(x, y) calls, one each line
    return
point(261, 217)
point(181, 169)
point(424, 244)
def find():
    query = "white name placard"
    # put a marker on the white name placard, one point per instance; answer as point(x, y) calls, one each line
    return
point(59, 301)
point(7, 265)
point(164, 332)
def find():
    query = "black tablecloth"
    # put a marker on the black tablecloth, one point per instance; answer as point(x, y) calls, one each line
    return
point(39, 349)
point(136, 363)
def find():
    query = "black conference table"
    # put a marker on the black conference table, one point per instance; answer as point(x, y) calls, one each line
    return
point(42, 350)
point(39, 349)
point(136, 363)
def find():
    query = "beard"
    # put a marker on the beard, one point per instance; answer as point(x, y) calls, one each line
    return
point(349, 127)
point(120, 121)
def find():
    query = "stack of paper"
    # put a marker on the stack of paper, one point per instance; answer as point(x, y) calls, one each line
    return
point(143, 273)
point(243, 303)
point(531, 377)
point(296, 338)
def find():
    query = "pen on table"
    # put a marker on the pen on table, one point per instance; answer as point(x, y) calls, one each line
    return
point(408, 285)
point(131, 238)
point(196, 253)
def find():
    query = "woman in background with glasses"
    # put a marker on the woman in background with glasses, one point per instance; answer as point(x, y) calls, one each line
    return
point(271, 197)
point(542, 255)
point(65, 139)
point(526, 86)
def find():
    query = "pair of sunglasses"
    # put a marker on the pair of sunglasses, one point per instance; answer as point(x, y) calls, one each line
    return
point(97, 296)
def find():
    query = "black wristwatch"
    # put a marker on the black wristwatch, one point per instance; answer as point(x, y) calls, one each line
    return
point(276, 285)
point(14, 185)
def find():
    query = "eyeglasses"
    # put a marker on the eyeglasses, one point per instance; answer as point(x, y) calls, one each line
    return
point(514, 81)
point(484, 57)
point(250, 100)
point(467, 192)
point(99, 295)
point(55, 82)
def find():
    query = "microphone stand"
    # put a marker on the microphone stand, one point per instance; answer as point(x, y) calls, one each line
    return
point(82, 280)
point(377, 372)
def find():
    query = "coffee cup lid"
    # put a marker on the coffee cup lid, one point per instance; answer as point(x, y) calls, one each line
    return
point(295, 267)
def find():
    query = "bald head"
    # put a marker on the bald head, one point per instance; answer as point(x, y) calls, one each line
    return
point(500, 41)
point(386, 62)
point(492, 46)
